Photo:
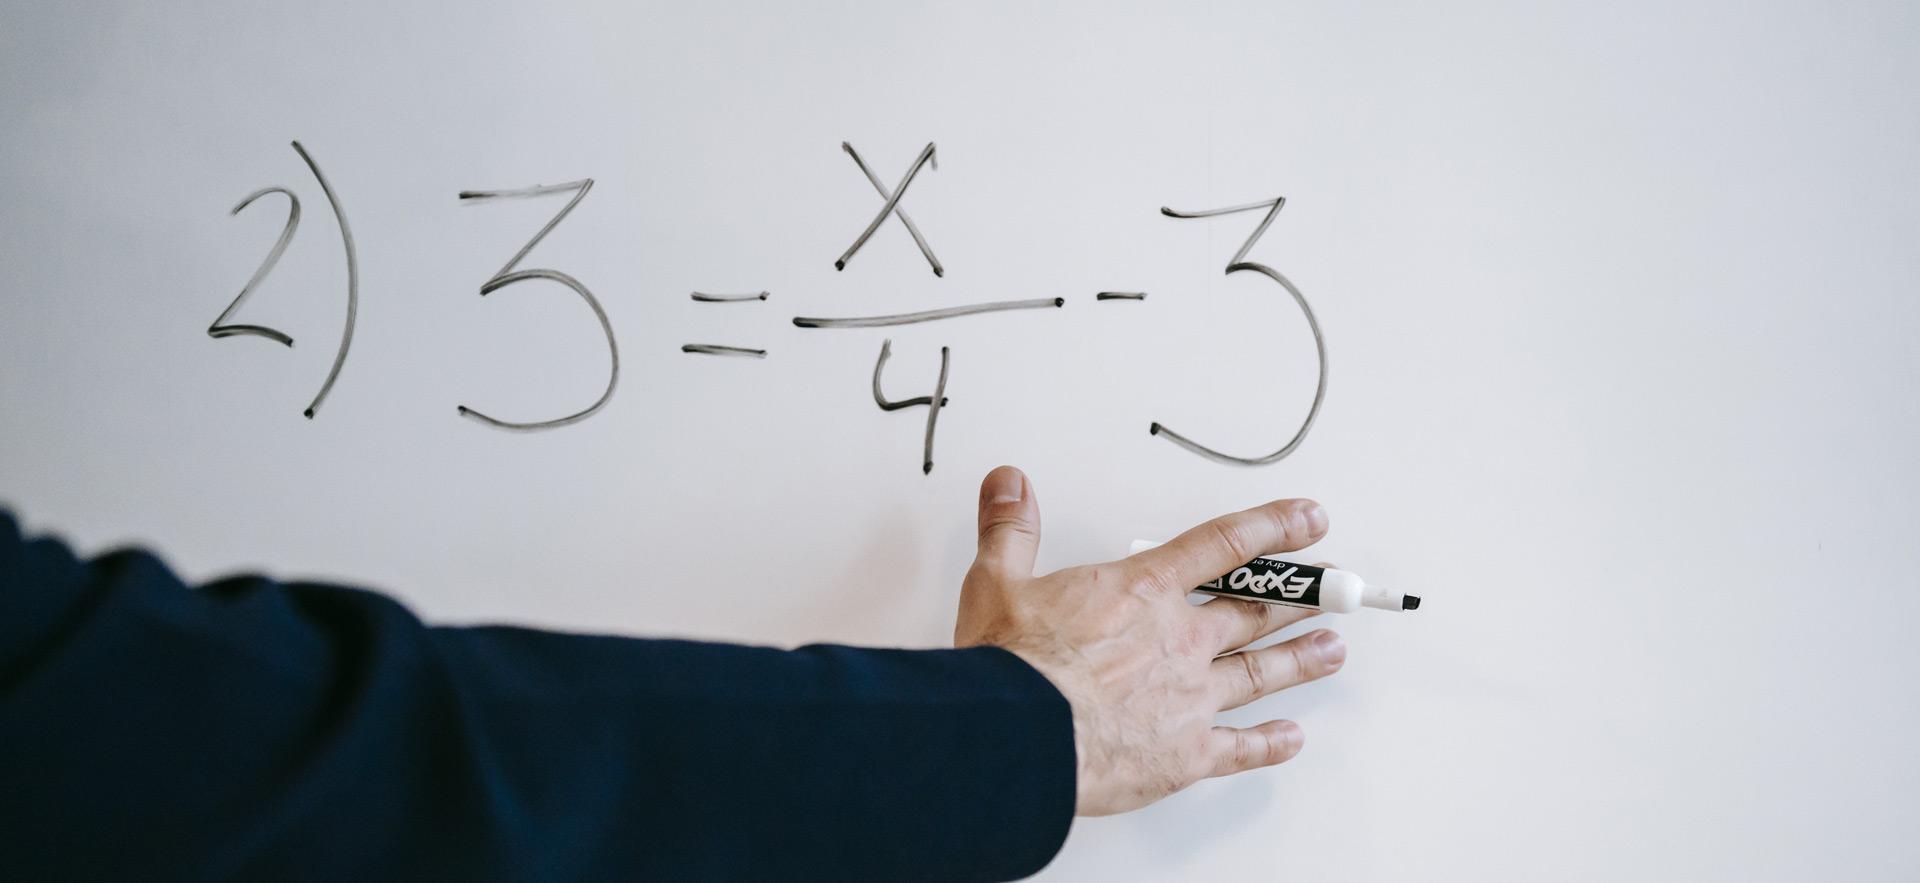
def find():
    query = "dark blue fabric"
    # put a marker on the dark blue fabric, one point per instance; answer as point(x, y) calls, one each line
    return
point(255, 730)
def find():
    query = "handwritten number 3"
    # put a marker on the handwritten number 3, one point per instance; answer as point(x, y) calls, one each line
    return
point(507, 276)
point(219, 330)
point(1239, 263)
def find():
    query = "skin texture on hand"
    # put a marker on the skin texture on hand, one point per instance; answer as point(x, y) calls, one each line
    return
point(1145, 671)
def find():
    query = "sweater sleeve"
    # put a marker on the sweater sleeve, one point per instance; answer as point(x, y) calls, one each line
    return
point(259, 730)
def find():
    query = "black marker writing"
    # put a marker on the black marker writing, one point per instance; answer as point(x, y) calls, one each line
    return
point(929, 315)
point(217, 330)
point(714, 349)
point(1319, 342)
point(579, 187)
point(507, 277)
point(912, 229)
point(1121, 295)
point(1272, 205)
point(353, 281)
point(879, 398)
point(706, 298)
point(893, 201)
point(938, 398)
point(933, 402)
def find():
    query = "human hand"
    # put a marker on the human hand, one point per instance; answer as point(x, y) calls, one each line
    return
point(1145, 671)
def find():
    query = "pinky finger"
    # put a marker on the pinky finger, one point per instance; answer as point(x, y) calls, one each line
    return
point(1239, 750)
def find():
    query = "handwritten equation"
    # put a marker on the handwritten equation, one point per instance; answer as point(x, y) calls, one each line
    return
point(890, 207)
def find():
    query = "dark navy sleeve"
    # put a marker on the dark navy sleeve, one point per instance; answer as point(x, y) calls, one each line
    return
point(250, 729)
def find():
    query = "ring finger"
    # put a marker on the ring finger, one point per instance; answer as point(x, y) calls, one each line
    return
point(1248, 675)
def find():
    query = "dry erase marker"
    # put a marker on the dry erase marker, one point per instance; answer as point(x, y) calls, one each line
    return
point(1273, 581)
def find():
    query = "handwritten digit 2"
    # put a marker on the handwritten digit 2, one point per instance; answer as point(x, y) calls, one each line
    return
point(218, 330)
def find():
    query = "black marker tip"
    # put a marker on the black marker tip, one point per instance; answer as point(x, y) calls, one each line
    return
point(1059, 301)
point(940, 272)
point(308, 413)
point(840, 265)
point(1409, 602)
point(926, 468)
point(460, 409)
point(1154, 429)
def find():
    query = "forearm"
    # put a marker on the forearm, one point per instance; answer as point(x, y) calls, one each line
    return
point(823, 762)
point(263, 730)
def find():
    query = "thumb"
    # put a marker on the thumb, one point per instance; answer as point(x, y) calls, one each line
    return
point(1009, 525)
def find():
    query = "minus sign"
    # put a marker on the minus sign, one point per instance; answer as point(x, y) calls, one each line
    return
point(714, 349)
point(1121, 295)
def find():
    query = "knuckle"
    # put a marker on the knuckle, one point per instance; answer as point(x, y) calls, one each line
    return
point(1303, 660)
point(1290, 523)
point(1247, 750)
point(1275, 749)
point(1197, 637)
point(1008, 525)
point(1233, 535)
point(1257, 617)
point(1162, 576)
point(1289, 518)
point(1240, 622)
point(1255, 676)
point(980, 575)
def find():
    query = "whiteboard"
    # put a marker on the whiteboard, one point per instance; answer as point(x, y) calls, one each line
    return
point(1618, 302)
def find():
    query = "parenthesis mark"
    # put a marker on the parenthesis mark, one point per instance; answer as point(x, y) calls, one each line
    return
point(353, 281)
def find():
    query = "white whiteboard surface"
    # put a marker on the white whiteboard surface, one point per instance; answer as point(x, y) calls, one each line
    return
point(1619, 301)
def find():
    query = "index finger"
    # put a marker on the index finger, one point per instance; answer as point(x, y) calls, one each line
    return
point(1215, 547)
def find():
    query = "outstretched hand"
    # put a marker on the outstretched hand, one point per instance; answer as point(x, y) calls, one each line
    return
point(1144, 671)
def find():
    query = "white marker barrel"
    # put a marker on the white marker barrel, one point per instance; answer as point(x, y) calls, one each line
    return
point(1273, 581)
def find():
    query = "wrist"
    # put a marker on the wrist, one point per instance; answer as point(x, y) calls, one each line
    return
point(1066, 680)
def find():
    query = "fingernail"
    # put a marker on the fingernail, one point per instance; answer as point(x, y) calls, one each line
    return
point(1316, 517)
point(1004, 486)
point(1332, 650)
